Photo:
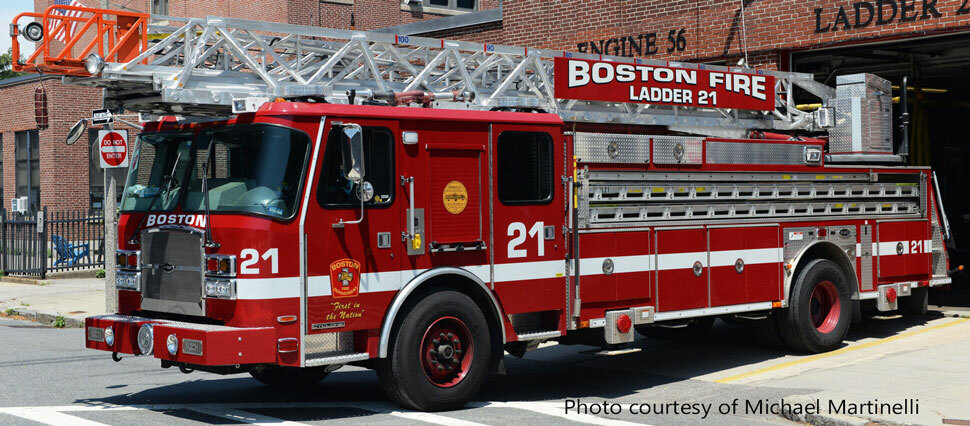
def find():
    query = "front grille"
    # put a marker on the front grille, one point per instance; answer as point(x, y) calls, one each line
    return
point(172, 271)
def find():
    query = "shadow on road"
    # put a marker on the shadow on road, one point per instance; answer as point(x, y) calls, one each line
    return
point(551, 373)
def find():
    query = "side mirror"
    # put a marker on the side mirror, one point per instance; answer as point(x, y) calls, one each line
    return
point(352, 148)
point(76, 131)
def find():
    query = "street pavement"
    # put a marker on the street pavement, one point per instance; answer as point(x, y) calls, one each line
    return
point(47, 377)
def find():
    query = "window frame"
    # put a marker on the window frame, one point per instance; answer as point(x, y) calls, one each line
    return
point(159, 7)
point(552, 174)
point(32, 144)
point(452, 5)
point(356, 205)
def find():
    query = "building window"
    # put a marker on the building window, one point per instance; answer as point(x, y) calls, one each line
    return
point(96, 174)
point(27, 157)
point(453, 4)
point(524, 167)
point(159, 7)
point(335, 191)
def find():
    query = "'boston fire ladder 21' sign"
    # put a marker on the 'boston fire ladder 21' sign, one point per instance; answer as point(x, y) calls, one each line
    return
point(653, 84)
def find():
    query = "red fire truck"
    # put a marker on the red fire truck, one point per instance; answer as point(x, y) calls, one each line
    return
point(314, 198)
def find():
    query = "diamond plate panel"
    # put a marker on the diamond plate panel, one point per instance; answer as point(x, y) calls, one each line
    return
point(754, 153)
point(612, 148)
point(861, 85)
point(677, 150)
point(527, 322)
point(325, 343)
point(865, 246)
point(939, 260)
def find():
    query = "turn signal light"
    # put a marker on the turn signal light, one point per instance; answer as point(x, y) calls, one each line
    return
point(220, 265)
point(128, 259)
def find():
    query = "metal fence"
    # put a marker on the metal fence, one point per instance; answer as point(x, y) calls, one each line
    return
point(35, 243)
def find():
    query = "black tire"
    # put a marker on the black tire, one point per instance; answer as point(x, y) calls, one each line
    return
point(409, 374)
point(917, 303)
point(819, 308)
point(289, 377)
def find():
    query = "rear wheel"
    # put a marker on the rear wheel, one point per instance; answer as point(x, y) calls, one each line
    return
point(289, 377)
point(819, 310)
point(439, 357)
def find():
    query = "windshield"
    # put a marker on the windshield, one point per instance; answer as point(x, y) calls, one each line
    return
point(251, 168)
point(151, 172)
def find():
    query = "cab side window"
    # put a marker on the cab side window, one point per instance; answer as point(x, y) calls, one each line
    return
point(524, 167)
point(336, 192)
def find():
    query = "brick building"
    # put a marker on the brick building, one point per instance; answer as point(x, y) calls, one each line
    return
point(926, 40)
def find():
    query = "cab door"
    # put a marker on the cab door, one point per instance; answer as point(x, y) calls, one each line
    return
point(528, 197)
point(352, 257)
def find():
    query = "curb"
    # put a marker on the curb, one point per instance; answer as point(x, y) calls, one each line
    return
point(44, 318)
point(823, 419)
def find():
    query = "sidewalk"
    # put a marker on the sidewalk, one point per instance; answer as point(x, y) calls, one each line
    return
point(73, 298)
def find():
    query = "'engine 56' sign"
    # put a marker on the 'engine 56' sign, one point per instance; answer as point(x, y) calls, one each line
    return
point(653, 84)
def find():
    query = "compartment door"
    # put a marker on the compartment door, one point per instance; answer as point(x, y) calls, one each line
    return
point(904, 250)
point(682, 269)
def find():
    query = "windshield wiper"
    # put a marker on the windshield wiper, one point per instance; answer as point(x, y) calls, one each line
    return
point(166, 182)
point(209, 242)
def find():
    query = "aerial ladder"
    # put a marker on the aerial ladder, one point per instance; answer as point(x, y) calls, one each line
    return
point(216, 66)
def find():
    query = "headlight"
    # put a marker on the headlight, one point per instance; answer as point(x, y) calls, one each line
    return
point(127, 281)
point(109, 336)
point(94, 64)
point(172, 342)
point(219, 288)
point(146, 339)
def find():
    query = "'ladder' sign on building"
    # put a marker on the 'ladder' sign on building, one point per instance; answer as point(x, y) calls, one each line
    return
point(114, 148)
point(654, 84)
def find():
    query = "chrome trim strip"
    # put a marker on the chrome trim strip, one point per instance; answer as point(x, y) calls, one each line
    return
point(690, 313)
point(337, 359)
point(416, 282)
point(302, 236)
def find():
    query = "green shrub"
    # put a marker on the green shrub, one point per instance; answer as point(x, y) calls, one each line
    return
point(99, 273)
point(59, 322)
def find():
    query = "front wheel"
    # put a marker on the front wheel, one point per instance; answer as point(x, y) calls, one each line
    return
point(819, 310)
point(439, 357)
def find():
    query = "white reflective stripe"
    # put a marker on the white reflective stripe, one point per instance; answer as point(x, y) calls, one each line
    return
point(886, 248)
point(750, 257)
point(621, 264)
point(267, 288)
point(524, 271)
point(670, 261)
point(318, 285)
point(113, 149)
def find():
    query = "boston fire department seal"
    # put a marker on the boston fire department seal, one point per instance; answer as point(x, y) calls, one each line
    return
point(345, 278)
point(455, 197)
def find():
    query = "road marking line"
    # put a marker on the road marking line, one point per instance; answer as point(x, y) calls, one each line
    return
point(816, 357)
point(557, 409)
point(432, 418)
point(245, 417)
point(51, 417)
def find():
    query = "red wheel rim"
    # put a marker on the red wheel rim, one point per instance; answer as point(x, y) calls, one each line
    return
point(825, 307)
point(447, 351)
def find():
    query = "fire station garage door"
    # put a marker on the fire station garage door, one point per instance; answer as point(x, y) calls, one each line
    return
point(938, 101)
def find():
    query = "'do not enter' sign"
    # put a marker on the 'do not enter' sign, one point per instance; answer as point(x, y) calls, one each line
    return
point(113, 148)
